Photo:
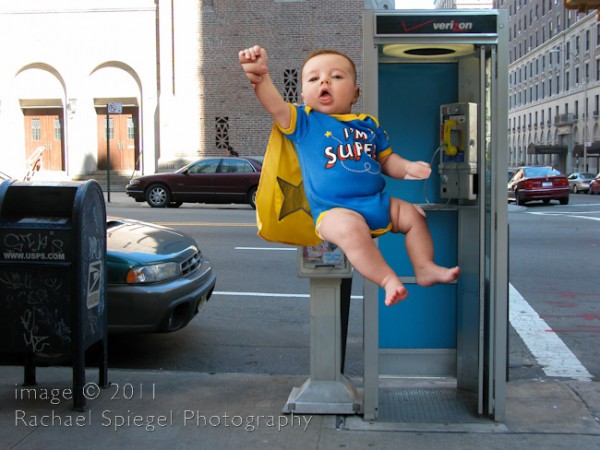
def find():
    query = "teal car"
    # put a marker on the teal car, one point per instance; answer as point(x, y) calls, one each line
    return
point(157, 278)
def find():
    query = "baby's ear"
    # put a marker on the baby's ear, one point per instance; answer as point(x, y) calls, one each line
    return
point(356, 95)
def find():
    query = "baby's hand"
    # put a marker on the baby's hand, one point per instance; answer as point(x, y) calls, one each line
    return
point(417, 170)
point(254, 62)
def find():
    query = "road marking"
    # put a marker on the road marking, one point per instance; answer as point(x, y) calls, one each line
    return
point(267, 248)
point(270, 294)
point(204, 224)
point(548, 349)
point(568, 214)
point(260, 294)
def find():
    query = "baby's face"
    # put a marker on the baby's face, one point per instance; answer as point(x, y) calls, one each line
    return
point(329, 84)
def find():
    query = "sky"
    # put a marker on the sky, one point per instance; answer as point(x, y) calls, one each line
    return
point(414, 4)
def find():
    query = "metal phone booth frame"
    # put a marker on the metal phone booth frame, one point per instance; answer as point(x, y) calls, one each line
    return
point(423, 73)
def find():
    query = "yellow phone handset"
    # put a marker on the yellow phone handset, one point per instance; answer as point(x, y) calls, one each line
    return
point(451, 150)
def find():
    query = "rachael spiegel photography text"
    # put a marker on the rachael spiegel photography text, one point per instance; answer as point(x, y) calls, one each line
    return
point(119, 418)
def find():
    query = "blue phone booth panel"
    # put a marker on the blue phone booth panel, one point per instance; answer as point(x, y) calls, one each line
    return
point(409, 99)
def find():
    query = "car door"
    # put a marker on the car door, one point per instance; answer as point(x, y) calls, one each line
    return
point(196, 184)
point(573, 178)
point(511, 184)
point(234, 178)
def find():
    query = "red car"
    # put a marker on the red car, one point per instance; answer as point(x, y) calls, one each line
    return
point(595, 185)
point(208, 180)
point(538, 183)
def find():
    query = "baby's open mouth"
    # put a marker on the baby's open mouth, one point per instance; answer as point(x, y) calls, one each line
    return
point(324, 94)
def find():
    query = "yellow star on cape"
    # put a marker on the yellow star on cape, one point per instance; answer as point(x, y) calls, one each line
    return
point(293, 199)
point(328, 134)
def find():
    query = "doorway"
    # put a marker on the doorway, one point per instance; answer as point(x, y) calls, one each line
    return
point(121, 137)
point(44, 127)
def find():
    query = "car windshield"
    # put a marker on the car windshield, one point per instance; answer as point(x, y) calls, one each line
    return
point(532, 172)
point(587, 175)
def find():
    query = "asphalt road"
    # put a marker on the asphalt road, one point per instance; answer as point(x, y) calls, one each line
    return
point(258, 319)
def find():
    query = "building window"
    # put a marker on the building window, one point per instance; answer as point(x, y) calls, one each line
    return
point(57, 129)
point(222, 133)
point(587, 40)
point(290, 82)
point(130, 128)
point(36, 129)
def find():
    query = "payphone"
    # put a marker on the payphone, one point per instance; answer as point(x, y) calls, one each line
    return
point(452, 337)
point(458, 151)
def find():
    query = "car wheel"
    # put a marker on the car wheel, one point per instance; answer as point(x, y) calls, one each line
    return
point(158, 196)
point(564, 201)
point(518, 199)
point(252, 198)
point(575, 190)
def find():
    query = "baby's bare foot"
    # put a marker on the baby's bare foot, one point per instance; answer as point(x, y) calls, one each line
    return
point(394, 292)
point(435, 274)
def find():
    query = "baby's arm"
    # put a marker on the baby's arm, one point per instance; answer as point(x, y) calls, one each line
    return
point(397, 167)
point(254, 62)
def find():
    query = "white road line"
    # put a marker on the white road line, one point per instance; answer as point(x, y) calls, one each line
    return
point(260, 294)
point(550, 351)
point(568, 214)
point(270, 294)
point(267, 248)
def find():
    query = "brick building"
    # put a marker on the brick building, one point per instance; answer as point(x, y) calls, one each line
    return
point(289, 30)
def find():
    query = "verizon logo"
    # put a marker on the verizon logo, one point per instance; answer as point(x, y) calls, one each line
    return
point(453, 26)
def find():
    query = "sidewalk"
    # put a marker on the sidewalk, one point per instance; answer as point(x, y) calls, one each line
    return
point(160, 409)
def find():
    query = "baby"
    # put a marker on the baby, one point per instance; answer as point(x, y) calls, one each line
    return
point(343, 158)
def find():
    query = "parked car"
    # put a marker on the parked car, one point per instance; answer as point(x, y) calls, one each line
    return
point(157, 278)
point(595, 185)
point(208, 180)
point(538, 183)
point(580, 182)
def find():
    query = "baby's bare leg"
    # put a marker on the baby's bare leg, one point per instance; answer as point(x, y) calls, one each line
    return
point(407, 219)
point(349, 231)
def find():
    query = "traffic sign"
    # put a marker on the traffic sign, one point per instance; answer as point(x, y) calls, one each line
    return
point(115, 108)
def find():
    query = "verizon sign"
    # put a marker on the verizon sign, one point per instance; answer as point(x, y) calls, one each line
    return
point(402, 25)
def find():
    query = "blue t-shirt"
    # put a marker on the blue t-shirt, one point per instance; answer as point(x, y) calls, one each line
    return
point(338, 156)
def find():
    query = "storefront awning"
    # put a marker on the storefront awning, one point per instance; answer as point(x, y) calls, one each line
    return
point(592, 150)
point(533, 149)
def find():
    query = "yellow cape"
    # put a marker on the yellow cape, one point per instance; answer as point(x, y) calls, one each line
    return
point(282, 211)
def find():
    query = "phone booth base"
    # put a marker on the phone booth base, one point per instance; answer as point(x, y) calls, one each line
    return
point(327, 391)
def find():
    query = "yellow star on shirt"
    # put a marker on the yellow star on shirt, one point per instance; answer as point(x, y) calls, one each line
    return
point(328, 134)
point(293, 199)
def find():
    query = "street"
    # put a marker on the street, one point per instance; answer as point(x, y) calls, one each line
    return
point(258, 319)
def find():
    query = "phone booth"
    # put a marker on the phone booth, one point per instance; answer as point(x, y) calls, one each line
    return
point(438, 83)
